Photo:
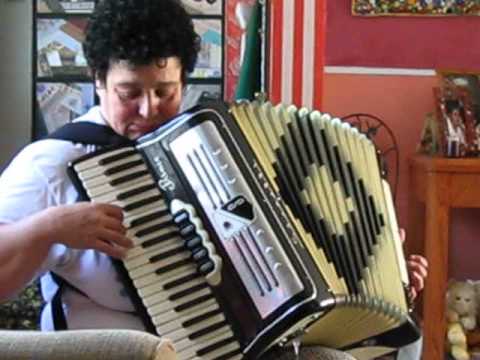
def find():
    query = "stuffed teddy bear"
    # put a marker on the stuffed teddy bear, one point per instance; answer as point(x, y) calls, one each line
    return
point(461, 316)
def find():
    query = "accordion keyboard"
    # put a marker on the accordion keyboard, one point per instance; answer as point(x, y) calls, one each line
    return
point(177, 296)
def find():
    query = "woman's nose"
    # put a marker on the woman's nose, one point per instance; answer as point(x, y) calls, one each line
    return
point(148, 106)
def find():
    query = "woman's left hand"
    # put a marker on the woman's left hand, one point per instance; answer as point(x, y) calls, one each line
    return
point(417, 267)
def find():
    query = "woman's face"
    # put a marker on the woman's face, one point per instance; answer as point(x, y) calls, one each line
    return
point(456, 117)
point(137, 100)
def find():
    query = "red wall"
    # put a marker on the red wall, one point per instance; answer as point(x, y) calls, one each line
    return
point(405, 42)
point(402, 102)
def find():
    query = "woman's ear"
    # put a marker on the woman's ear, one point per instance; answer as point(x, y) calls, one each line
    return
point(99, 86)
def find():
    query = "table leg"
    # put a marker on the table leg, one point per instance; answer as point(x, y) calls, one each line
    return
point(436, 251)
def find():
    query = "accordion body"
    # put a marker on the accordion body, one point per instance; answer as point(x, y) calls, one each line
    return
point(255, 225)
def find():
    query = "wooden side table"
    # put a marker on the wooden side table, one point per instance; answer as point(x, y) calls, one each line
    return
point(440, 184)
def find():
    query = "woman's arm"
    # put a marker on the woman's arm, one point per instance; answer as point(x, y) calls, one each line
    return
point(25, 244)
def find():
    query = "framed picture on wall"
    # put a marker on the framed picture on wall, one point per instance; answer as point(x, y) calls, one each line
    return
point(209, 62)
point(59, 47)
point(203, 7)
point(415, 7)
point(65, 6)
point(458, 135)
point(195, 93)
point(60, 102)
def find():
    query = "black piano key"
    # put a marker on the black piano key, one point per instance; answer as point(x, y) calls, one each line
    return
point(141, 203)
point(122, 167)
point(154, 228)
point(192, 303)
point(161, 238)
point(166, 254)
point(128, 177)
point(228, 355)
point(215, 346)
point(150, 217)
point(137, 191)
point(173, 266)
point(209, 329)
point(180, 281)
point(116, 157)
point(200, 318)
point(186, 292)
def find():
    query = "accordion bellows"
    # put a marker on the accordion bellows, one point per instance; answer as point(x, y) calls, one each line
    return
point(329, 175)
point(253, 225)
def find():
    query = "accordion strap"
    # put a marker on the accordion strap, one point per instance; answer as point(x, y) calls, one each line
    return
point(86, 133)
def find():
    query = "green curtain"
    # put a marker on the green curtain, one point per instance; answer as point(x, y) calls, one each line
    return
point(249, 81)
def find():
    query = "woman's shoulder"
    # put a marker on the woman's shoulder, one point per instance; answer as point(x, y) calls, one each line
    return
point(52, 151)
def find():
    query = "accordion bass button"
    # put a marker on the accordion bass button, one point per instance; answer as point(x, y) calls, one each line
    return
point(197, 241)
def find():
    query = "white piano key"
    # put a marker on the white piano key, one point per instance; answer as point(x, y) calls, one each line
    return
point(100, 169)
point(154, 287)
point(106, 188)
point(100, 180)
point(230, 347)
point(139, 250)
point(173, 274)
point(155, 293)
point(171, 326)
point(94, 161)
point(157, 219)
point(112, 195)
point(133, 199)
point(144, 259)
point(165, 318)
point(182, 333)
point(149, 268)
point(168, 305)
point(188, 347)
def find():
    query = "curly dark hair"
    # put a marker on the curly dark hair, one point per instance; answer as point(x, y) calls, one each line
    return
point(140, 32)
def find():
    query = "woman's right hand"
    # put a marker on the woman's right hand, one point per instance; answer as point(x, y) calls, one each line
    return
point(87, 225)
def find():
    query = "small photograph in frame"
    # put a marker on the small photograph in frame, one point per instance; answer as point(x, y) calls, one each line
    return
point(468, 80)
point(455, 121)
point(196, 93)
point(209, 63)
point(203, 7)
point(59, 47)
point(65, 6)
point(59, 103)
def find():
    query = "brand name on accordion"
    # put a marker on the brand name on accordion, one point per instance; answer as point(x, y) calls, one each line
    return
point(165, 183)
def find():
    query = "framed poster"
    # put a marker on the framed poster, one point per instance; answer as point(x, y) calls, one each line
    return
point(203, 7)
point(415, 7)
point(195, 93)
point(59, 47)
point(65, 6)
point(60, 103)
point(209, 63)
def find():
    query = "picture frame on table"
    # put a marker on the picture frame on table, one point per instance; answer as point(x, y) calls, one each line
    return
point(456, 121)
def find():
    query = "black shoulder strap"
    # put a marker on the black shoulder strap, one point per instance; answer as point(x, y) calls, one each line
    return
point(89, 134)
point(86, 133)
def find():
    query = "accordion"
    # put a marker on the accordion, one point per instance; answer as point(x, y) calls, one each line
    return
point(255, 225)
